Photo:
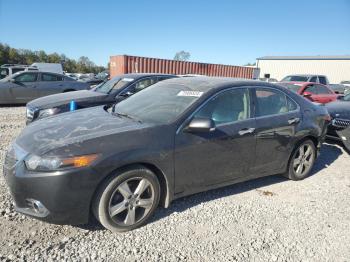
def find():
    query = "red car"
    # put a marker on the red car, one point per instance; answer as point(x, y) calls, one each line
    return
point(313, 91)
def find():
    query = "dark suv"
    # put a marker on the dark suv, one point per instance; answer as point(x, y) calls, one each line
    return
point(110, 92)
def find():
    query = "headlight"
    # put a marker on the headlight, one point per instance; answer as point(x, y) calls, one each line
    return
point(30, 113)
point(37, 163)
point(48, 112)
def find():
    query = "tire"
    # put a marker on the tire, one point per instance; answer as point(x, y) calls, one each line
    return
point(300, 165)
point(127, 200)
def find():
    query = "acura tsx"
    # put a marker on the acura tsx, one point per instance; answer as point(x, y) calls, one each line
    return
point(178, 137)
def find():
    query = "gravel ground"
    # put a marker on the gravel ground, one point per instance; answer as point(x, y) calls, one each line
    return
point(268, 219)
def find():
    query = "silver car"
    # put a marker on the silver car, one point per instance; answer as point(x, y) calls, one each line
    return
point(23, 87)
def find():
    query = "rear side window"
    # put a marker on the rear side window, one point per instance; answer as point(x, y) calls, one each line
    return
point(27, 77)
point(272, 102)
point(51, 77)
point(3, 73)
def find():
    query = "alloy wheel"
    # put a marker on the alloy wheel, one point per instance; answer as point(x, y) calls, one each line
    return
point(303, 160)
point(131, 201)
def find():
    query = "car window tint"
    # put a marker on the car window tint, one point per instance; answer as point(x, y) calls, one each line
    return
point(322, 80)
point(313, 79)
point(229, 106)
point(15, 70)
point(26, 77)
point(145, 83)
point(291, 104)
point(322, 90)
point(270, 102)
point(311, 89)
point(51, 77)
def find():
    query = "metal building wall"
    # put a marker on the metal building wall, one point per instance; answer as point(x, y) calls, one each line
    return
point(123, 64)
point(335, 70)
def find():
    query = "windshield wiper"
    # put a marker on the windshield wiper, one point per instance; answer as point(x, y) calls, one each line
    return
point(127, 116)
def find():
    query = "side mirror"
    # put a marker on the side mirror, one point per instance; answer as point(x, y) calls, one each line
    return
point(12, 80)
point(127, 94)
point(337, 92)
point(200, 125)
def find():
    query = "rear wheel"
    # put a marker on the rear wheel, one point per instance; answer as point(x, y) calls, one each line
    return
point(128, 200)
point(302, 161)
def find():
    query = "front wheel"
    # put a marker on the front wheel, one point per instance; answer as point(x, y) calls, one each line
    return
point(128, 200)
point(302, 161)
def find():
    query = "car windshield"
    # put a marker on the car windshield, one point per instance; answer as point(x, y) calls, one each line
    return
point(161, 103)
point(295, 79)
point(291, 87)
point(113, 84)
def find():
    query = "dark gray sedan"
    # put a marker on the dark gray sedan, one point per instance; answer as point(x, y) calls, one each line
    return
point(23, 87)
point(172, 139)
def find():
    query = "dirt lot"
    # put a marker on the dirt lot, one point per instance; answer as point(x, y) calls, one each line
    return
point(268, 219)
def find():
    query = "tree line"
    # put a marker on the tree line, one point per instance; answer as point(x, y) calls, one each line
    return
point(9, 55)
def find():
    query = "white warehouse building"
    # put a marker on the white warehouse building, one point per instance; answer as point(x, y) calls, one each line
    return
point(336, 68)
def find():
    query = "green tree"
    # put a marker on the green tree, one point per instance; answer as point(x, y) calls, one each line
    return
point(182, 56)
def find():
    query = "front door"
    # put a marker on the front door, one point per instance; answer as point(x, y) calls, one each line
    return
point(23, 89)
point(224, 154)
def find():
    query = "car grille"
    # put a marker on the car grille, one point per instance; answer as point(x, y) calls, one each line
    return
point(341, 122)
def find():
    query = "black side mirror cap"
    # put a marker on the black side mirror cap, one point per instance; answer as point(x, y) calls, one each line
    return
point(200, 125)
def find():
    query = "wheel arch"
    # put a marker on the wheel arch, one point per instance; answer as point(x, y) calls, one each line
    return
point(165, 198)
point(68, 90)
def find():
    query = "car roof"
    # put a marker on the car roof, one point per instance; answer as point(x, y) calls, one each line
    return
point(139, 75)
point(206, 84)
point(307, 75)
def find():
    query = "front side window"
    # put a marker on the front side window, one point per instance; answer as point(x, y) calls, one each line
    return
point(322, 90)
point(51, 77)
point(311, 89)
point(144, 83)
point(26, 77)
point(313, 79)
point(272, 102)
point(15, 70)
point(227, 107)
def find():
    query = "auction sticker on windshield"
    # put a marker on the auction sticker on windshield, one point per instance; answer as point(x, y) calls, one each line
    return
point(128, 79)
point(190, 93)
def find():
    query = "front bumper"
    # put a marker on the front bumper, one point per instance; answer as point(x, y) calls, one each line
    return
point(61, 197)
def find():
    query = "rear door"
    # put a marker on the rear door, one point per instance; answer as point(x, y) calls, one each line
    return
point(49, 84)
point(277, 118)
point(224, 154)
point(23, 89)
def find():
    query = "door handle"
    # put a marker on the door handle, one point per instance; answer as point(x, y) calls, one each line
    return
point(294, 120)
point(245, 131)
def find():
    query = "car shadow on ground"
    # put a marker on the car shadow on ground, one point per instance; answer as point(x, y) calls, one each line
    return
point(329, 153)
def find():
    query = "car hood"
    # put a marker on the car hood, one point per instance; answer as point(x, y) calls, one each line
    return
point(64, 98)
point(339, 109)
point(76, 128)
